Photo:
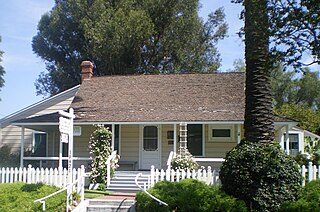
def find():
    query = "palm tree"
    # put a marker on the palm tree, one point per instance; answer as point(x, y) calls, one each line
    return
point(258, 122)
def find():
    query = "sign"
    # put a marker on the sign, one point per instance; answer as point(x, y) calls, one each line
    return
point(64, 125)
point(64, 138)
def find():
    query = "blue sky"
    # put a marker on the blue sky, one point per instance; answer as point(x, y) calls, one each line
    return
point(18, 24)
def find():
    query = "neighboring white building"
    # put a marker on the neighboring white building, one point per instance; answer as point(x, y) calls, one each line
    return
point(297, 140)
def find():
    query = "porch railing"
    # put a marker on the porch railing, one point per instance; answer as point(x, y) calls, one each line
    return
point(41, 159)
point(109, 163)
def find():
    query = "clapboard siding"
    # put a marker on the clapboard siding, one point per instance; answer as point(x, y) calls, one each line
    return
point(11, 136)
point(48, 108)
point(130, 143)
point(218, 149)
point(81, 143)
point(165, 146)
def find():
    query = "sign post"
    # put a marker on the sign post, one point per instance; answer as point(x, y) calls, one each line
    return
point(66, 130)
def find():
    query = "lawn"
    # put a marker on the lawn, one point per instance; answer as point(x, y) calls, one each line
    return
point(90, 194)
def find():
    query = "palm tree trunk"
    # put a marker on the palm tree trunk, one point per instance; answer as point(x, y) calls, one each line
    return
point(258, 124)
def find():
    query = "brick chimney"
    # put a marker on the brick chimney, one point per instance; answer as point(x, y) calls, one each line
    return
point(86, 70)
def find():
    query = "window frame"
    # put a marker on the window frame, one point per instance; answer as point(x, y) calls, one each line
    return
point(212, 127)
point(150, 138)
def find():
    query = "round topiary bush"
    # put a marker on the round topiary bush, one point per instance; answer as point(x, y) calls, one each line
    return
point(260, 174)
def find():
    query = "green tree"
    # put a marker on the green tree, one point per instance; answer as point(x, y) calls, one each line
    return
point(2, 72)
point(238, 66)
point(307, 117)
point(290, 88)
point(125, 37)
point(295, 31)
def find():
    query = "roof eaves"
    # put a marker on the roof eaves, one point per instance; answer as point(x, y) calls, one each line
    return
point(37, 104)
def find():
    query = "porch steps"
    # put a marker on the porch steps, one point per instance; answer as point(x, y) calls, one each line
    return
point(124, 181)
point(123, 202)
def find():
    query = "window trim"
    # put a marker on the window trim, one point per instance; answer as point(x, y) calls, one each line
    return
point(221, 139)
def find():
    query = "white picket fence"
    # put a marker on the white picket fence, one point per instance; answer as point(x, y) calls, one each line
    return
point(309, 173)
point(209, 176)
point(56, 177)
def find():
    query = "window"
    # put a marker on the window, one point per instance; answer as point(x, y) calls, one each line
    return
point(293, 144)
point(39, 148)
point(116, 136)
point(150, 138)
point(220, 133)
point(195, 145)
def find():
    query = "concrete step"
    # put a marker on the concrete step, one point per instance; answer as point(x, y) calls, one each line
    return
point(114, 203)
point(124, 181)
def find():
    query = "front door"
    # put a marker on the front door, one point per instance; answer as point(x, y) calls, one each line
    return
point(150, 151)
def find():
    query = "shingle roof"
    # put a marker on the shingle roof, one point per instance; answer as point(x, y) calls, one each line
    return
point(150, 98)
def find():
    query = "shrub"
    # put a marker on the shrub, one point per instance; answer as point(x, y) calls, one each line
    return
point(8, 159)
point(187, 195)
point(260, 174)
point(308, 201)
point(184, 161)
point(20, 197)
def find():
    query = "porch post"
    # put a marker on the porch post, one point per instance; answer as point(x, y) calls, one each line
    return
point(112, 138)
point(281, 140)
point(60, 152)
point(22, 147)
point(175, 138)
point(287, 140)
point(238, 133)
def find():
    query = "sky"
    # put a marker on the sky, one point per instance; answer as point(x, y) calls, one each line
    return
point(18, 24)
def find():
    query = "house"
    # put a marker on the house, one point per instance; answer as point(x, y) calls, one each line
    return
point(35, 139)
point(144, 113)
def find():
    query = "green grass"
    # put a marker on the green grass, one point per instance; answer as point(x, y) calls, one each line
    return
point(90, 194)
point(20, 197)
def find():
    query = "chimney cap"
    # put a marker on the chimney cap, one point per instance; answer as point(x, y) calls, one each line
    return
point(87, 63)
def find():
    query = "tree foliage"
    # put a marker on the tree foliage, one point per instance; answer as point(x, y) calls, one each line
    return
point(2, 71)
point(125, 37)
point(307, 117)
point(294, 29)
point(289, 88)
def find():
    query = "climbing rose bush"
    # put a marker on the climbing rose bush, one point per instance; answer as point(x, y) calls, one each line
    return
point(100, 149)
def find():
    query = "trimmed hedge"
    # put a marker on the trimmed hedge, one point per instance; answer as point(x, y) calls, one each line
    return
point(260, 174)
point(309, 200)
point(20, 197)
point(187, 195)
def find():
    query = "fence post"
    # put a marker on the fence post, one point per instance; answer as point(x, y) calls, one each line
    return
point(29, 174)
point(310, 171)
point(82, 175)
point(152, 176)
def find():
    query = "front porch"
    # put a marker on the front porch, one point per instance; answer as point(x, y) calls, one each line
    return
point(140, 145)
